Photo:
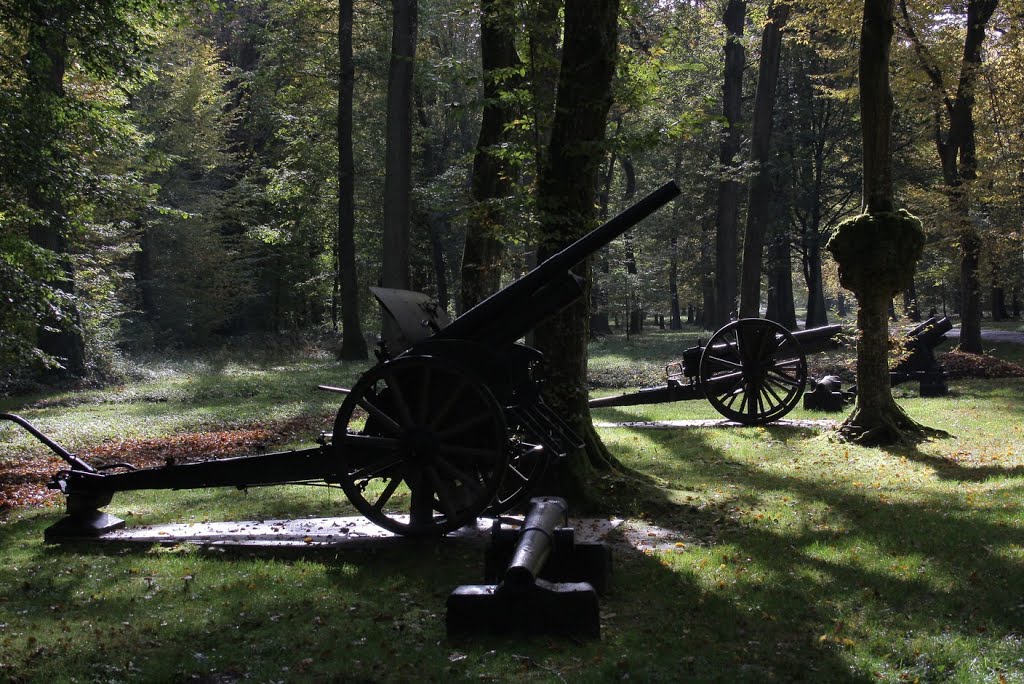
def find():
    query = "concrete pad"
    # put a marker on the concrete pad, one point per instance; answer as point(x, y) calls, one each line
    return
point(356, 532)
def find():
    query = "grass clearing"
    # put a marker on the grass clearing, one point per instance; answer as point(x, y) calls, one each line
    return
point(789, 556)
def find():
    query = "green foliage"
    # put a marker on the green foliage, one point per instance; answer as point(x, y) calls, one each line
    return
point(877, 252)
point(193, 153)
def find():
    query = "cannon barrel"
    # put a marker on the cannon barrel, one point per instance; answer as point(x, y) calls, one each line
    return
point(932, 331)
point(536, 540)
point(513, 311)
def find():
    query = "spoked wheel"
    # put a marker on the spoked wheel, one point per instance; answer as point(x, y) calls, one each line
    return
point(423, 446)
point(753, 371)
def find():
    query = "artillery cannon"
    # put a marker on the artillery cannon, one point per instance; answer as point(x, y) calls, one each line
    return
point(919, 362)
point(429, 439)
point(752, 371)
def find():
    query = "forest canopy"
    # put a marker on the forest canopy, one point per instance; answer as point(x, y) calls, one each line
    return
point(177, 175)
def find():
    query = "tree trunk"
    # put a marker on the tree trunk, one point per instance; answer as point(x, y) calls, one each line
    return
point(60, 337)
point(544, 34)
point(675, 320)
point(816, 313)
point(353, 343)
point(493, 176)
point(760, 143)
point(567, 187)
point(957, 155)
point(398, 156)
point(876, 418)
point(876, 106)
point(999, 312)
point(878, 250)
point(729, 189)
point(707, 276)
point(910, 306)
point(781, 303)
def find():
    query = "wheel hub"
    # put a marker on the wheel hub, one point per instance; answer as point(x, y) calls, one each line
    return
point(420, 444)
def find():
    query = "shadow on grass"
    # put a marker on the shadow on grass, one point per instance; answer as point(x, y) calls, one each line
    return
point(949, 469)
point(937, 566)
point(176, 614)
point(774, 610)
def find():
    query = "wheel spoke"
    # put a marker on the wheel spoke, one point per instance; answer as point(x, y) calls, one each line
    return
point(444, 494)
point(768, 390)
point(487, 455)
point(732, 395)
point(372, 470)
point(388, 421)
point(721, 363)
point(404, 414)
point(385, 496)
point(446, 407)
point(726, 383)
point(457, 473)
point(464, 426)
point(423, 410)
point(783, 379)
point(421, 500)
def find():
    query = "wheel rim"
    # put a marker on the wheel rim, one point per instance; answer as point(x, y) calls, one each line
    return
point(753, 371)
point(422, 446)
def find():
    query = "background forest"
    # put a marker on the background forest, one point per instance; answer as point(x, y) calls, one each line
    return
point(181, 176)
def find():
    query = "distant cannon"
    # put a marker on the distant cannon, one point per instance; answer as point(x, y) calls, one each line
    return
point(919, 361)
point(432, 437)
point(752, 371)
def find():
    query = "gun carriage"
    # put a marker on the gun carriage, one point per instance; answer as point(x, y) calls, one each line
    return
point(450, 428)
point(752, 371)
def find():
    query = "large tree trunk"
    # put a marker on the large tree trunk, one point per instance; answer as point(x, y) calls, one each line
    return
point(59, 337)
point(353, 344)
point(878, 250)
point(398, 156)
point(567, 187)
point(544, 33)
point(760, 143)
point(493, 175)
point(956, 151)
point(729, 189)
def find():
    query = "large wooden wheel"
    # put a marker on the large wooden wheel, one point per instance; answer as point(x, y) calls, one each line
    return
point(753, 371)
point(423, 446)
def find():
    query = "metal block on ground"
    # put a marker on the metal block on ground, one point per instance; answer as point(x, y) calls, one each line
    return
point(565, 608)
point(82, 525)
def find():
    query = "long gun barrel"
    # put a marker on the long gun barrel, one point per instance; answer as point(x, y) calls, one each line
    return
point(512, 312)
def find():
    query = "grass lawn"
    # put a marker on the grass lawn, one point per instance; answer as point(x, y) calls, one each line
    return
point(784, 555)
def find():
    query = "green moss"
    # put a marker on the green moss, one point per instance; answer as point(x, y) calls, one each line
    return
point(878, 250)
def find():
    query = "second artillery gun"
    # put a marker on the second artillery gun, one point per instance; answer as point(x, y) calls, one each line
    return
point(428, 440)
point(752, 371)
